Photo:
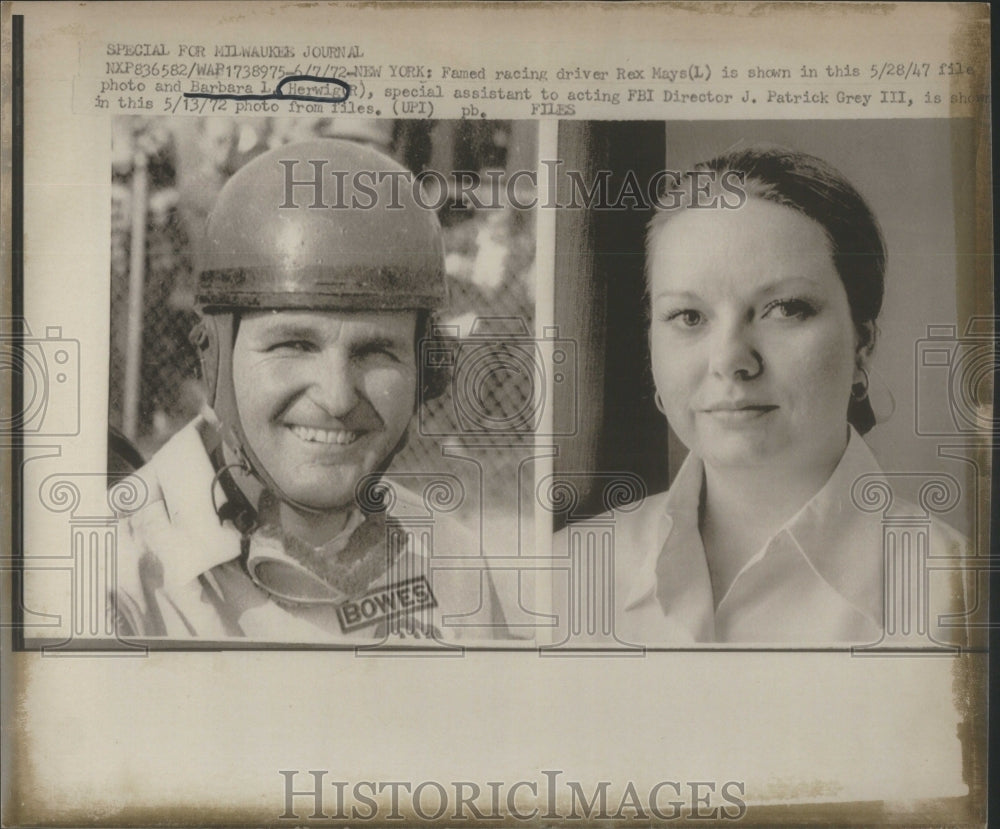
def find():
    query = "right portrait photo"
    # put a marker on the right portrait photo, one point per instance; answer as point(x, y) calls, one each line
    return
point(783, 400)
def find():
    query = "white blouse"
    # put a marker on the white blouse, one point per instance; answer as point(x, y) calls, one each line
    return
point(820, 579)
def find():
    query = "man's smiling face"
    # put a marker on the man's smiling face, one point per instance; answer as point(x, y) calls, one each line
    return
point(324, 396)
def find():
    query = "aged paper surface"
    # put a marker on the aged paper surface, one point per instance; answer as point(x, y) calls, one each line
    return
point(122, 106)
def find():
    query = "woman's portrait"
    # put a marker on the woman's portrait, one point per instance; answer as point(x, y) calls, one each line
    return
point(764, 280)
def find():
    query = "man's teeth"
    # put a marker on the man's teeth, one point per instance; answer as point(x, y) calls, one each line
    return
point(340, 437)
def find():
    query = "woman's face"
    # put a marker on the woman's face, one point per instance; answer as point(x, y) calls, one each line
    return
point(752, 344)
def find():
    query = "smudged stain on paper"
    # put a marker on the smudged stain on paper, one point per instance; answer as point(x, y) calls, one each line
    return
point(969, 45)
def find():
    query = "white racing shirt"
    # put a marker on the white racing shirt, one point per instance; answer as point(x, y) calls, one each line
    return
point(180, 576)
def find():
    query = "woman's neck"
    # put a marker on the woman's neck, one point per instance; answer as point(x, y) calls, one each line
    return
point(743, 508)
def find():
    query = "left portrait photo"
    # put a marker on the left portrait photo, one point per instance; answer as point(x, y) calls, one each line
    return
point(311, 438)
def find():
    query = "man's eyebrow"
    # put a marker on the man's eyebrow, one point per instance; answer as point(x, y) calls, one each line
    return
point(363, 340)
point(377, 341)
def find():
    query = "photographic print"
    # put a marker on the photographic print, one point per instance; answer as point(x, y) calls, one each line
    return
point(496, 414)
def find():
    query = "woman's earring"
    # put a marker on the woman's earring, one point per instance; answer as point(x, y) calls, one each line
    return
point(659, 404)
point(859, 391)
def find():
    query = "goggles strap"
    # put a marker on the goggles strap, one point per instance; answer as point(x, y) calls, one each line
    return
point(237, 507)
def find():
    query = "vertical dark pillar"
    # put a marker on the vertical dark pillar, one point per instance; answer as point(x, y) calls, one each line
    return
point(599, 303)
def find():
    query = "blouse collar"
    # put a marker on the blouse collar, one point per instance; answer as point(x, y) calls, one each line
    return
point(833, 535)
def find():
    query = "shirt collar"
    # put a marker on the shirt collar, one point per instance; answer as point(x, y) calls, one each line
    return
point(677, 510)
point(839, 540)
point(186, 477)
point(832, 533)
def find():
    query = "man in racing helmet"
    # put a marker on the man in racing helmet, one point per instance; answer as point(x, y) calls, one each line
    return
point(320, 277)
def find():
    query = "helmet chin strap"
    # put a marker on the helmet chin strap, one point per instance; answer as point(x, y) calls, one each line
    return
point(222, 330)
